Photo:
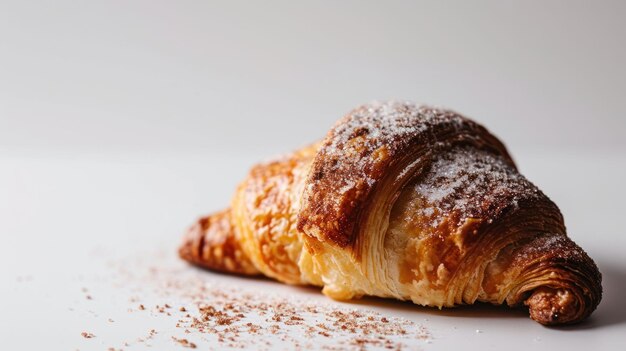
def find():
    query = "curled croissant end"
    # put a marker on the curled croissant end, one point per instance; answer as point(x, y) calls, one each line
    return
point(407, 202)
point(568, 281)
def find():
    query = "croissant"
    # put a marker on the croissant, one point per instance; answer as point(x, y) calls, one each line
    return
point(407, 202)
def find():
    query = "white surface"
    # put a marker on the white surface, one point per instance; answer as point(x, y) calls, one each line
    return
point(121, 121)
point(65, 216)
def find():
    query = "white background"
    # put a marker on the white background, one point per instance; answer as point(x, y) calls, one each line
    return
point(122, 121)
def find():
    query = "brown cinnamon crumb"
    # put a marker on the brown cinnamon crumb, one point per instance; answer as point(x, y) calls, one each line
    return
point(185, 343)
point(87, 335)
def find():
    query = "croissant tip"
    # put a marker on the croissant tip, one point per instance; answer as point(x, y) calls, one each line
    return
point(184, 251)
point(191, 243)
point(549, 306)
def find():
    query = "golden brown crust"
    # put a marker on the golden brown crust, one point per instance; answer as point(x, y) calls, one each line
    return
point(404, 201)
point(265, 212)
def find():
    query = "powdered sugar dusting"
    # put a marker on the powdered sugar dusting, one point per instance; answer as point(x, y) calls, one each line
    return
point(372, 127)
point(368, 146)
point(472, 181)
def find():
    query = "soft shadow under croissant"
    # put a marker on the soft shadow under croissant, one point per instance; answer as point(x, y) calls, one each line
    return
point(407, 202)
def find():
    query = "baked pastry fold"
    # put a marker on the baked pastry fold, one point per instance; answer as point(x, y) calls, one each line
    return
point(408, 202)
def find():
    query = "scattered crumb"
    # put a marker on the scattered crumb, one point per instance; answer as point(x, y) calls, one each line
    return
point(224, 317)
point(185, 343)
